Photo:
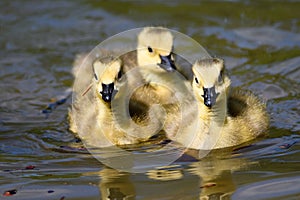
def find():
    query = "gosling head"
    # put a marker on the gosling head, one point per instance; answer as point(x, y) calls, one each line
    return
point(106, 73)
point(209, 81)
point(155, 45)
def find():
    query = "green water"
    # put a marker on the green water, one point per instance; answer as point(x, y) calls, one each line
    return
point(39, 40)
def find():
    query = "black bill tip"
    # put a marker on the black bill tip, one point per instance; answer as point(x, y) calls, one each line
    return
point(107, 92)
point(106, 98)
point(208, 103)
point(209, 96)
point(167, 63)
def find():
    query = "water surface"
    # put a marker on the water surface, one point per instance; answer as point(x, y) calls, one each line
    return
point(260, 43)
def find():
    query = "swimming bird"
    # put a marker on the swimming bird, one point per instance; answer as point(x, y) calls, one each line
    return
point(226, 117)
point(93, 117)
point(154, 48)
point(153, 58)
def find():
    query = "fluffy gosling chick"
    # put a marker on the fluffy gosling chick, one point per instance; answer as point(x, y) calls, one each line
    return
point(152, 58)
point(98, 125)
point(226, 118)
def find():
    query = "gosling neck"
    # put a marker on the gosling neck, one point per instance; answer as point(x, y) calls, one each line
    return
point(216, 113)
point(102, 107)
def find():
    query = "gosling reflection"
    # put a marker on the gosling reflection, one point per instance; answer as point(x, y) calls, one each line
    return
point(163, 183)
point(212, 175)
point(215, 172)
point(115, 185)
point(207, 179)
point(167, 173)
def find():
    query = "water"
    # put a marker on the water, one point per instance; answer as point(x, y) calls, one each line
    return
point(260, 43)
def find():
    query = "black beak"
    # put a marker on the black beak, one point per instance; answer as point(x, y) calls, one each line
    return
point(210, 96)
point(107, 91)
point(167, 63)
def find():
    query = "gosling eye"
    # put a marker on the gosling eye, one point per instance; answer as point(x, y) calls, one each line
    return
point(196, 80)
point(220, 78)
point(119, 75)
point(150, 50)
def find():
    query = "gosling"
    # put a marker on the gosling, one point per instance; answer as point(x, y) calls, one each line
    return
point(226, 117)
point(96, 123)
point(152, 60)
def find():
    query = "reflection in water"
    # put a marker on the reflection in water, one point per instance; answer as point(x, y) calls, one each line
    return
point(216, 175)
point(116, 185)
point(209, 178)
point(167, 173)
